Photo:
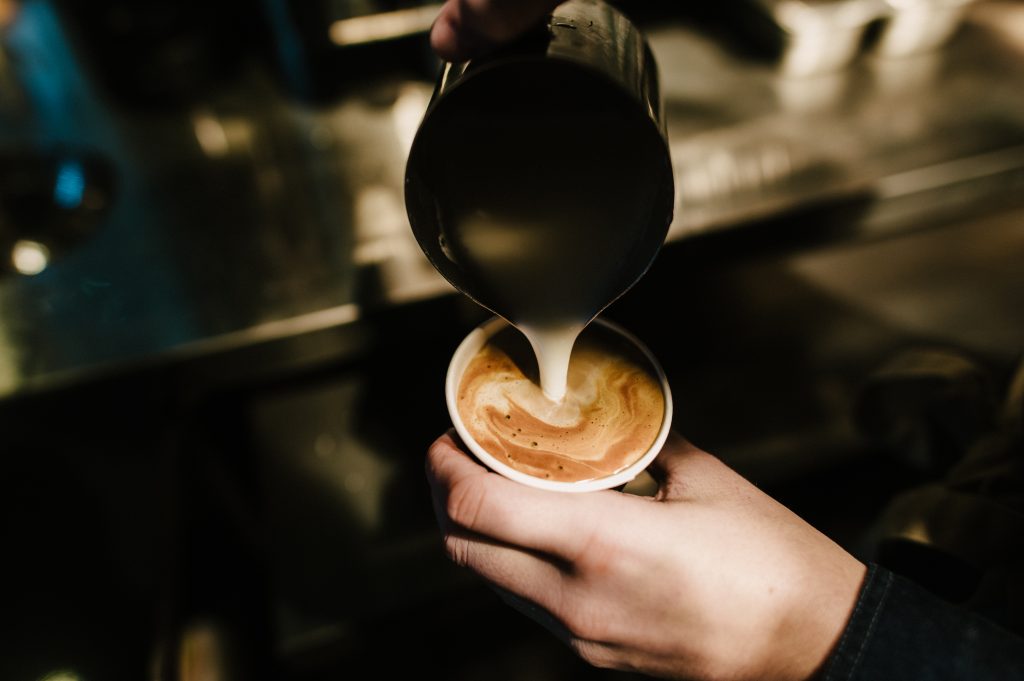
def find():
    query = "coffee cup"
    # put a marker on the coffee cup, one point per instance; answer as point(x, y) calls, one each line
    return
point(476, 341)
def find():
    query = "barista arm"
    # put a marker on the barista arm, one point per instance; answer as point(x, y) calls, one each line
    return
point(710, 579)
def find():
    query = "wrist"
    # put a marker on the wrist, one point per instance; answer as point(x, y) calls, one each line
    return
point(820, 608)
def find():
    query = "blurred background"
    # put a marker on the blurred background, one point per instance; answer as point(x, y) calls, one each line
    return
point(222, 352)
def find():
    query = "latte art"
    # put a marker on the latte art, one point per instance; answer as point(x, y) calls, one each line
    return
point(610, 416)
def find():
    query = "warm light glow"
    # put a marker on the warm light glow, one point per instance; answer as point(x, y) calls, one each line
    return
point(379, 219)
point(8, 12)
point(407, 113)
point(210, 134)
point(201, 657)
point(62, 675)
point(384, 26)
point(30, 257)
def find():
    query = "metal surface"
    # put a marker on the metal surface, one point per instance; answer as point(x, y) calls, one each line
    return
point(370, 28)
point(251, 218)
point(819, 36)
point(918, 25)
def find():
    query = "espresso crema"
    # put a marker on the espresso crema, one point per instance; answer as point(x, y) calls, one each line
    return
point(610, 416)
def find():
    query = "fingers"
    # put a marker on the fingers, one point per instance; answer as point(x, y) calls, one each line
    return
point(527, 575)
point(464, 28)
point(470, 497)
point(451, 38)
point(535, 587)
point(537, 613)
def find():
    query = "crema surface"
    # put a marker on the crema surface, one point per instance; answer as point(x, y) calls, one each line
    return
point(610, 416)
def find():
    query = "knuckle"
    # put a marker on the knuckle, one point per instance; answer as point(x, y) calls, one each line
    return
point(458, 549)
point(600, 555)
point(465, 501)
point(584, 623)
point(594, 654)
point(435, 455)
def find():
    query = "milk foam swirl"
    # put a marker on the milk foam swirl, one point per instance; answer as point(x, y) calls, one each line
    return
point(610, 416)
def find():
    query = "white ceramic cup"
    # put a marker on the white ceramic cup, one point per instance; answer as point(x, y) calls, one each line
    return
point(468, 349)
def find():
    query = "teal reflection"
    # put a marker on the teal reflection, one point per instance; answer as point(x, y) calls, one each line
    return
point(70, 185)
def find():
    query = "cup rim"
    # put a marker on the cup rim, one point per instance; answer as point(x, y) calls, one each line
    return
point(476, 339)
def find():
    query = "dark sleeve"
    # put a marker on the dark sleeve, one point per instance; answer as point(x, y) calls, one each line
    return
point(900, 631)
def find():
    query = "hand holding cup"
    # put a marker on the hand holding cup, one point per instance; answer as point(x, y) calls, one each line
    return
point(710, 579)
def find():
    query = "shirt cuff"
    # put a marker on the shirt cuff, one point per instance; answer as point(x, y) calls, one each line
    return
point(898, 630)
